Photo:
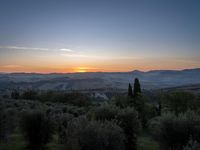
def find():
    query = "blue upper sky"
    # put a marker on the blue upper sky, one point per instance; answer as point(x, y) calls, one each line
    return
point(125, 32)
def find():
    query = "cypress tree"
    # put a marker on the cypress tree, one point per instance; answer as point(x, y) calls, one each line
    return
point(137, 89)
point(15, 94)
point(130, 91)
point(159, 108)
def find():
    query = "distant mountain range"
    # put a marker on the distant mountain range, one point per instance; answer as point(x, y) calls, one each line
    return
point(154, 79)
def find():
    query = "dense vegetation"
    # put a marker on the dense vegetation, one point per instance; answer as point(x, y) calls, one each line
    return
point(55, 120)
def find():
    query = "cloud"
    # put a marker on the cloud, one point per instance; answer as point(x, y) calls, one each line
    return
point(66, 50)
point(24, 48)
point(76, 55)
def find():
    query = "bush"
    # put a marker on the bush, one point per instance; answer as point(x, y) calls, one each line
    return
point(180, 102)
point(3, 124)
point(37, 129)
point(29, 95)
point(62, 125)
point(122, 101)
point(148, 113)
point(84, 135)
point(192, 145)
point(173, 132)
point(129, 122)
point(15, 94)
point(104, 112)
point(76, 99)
point(7, 120)
point(139, 105)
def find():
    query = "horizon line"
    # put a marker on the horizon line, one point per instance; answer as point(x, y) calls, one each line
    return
point(24, 72)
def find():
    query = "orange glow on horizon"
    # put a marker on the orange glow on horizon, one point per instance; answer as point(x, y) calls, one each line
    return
point(12, 69)
point(84, 69)
point(94, 67)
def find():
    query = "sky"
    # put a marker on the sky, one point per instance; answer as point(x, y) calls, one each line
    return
point(99, 35)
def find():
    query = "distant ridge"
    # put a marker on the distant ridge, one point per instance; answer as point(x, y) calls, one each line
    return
point(133, 71)
point(154, 79)
point(193, 69)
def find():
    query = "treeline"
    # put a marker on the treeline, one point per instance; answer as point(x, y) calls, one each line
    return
point(74, 98)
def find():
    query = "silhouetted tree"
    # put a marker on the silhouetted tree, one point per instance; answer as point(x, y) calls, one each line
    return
point(82, 134)
point(173, 132)
point(180, 102)
point(3, 124)
point(137, 89)
point(159, 108)
point(29, 95)
point(37, 129)
point(15, 94)
point(128, 120)
point(104, 112)
point(130, 91)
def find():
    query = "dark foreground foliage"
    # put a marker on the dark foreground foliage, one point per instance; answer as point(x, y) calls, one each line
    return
point(74, 98)
point(128, 121)
point(174, 132)
point(170, 119)
point(126, 118)
point(93, 135)
point(37, 129)
point(7, 123)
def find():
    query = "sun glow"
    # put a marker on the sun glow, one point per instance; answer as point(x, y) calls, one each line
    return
point(81, 69)
point(85, 69)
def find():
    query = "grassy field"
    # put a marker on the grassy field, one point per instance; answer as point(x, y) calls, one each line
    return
point(17, 142)
point(147, 143)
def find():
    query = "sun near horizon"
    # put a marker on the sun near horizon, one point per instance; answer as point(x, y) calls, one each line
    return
point(85, 70)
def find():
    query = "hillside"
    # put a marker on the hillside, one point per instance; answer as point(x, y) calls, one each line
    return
point(155, 79)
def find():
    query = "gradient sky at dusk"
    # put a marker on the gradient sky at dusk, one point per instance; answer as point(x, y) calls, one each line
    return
point(98, 35)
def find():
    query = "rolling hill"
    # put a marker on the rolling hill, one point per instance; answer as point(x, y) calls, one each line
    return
point(154, 79)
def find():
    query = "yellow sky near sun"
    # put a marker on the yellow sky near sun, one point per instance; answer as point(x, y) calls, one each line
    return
point(89, 63)
point(106, 66)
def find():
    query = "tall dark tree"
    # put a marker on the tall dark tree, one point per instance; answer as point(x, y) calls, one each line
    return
point(130, 91)
point(15, 94)
point(137, 89)
point(37, 129)
point(159, 108)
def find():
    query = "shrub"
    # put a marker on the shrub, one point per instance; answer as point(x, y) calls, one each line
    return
point(104, 112)
point(12, 119)
point(180, 102)
point(84, 135)
point(148, 113)
point(62, 125)
point(3, 124)
point(6, 123)
point(78, 99)
point(192, 145)
point(74, 98)
point(15, 94)
point(29, 95)
point(139, 105)
point(37, 129)
point(122, 101)
point(129, 122)
point(173, 132)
